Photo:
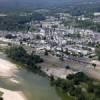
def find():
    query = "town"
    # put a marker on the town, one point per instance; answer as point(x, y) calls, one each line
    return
point(65, 42)
point(50, 49)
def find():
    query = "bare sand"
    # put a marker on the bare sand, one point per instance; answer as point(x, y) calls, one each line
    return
point(94, 72)
point(12, 95)
point(58, 72)
point(7, 69)
point(53, 66)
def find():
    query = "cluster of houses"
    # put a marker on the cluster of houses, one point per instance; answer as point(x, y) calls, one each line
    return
point(53, 36)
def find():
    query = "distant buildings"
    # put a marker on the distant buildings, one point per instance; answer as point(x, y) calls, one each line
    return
point(52, 35)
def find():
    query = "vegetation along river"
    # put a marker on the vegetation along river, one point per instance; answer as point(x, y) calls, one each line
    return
point(34, 86)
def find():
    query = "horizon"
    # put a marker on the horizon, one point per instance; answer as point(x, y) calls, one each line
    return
point(41, 3)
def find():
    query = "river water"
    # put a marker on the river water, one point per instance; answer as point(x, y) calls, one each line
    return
point(34, 86)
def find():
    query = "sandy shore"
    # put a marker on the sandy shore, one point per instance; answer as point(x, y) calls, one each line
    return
point(58, 72)
point(7, 69)
point(94, 72)
point(12, 95)
point(53, 66)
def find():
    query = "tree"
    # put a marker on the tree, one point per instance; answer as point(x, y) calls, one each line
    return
point(97, 90)
point(1, 98)
point(67, 52)
point(14, 23)
point(94, 65)
point(67, 67)
point(62, 55)
point(46, 53)
point(38, 37)
point(76, 92)
point(90, 87)
point(52, 78)
point(78, 77)
point(37, 16)
point(16, 53)
point(9, 36)
point(78, 35)
point(70, 76)
point(98, 51)
point(20, 55)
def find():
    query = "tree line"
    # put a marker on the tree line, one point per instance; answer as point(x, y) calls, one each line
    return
point(20, 55)
point(19, 23)
point(78, 87)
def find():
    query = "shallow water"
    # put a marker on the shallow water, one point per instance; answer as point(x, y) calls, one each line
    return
point(34, 87)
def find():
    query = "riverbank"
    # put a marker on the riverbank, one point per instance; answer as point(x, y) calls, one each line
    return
point(57, 72)
point(23, 83)
point(8, 70)
point(8, 94)
point(53, 66)
point(11, 71)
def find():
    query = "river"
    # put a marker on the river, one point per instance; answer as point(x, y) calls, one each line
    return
point(34, 86)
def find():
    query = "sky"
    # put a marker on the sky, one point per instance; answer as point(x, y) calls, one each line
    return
point(38, 3)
